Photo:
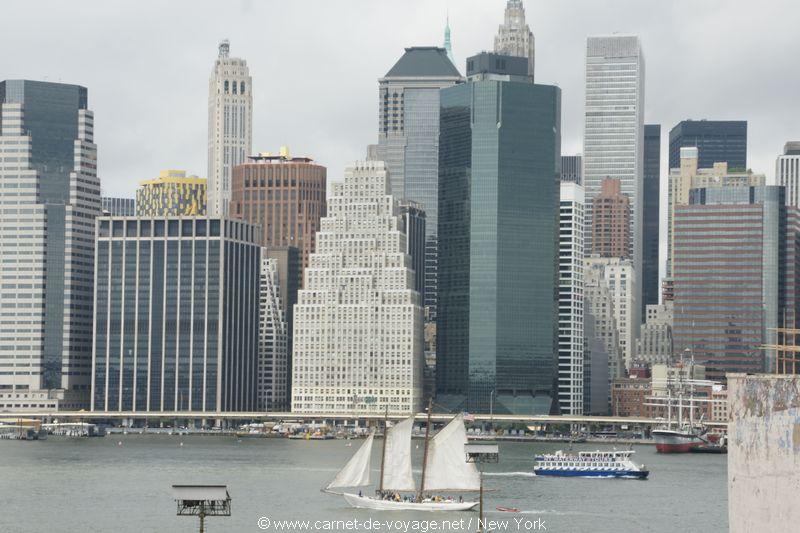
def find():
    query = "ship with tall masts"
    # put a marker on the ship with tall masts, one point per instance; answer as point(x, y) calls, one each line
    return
point(444, 469)
point(682, 431)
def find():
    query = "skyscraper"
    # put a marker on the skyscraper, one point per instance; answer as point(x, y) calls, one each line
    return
point(650, 213)
point(572, 169)
point(736, 276)
point(172, 193)
point(273, 340)
point(570, 299)
point(689, 176)
point(286, 196)
point(514, 37)
point(499, 157)
point(413, 223)
point(358, 320)
point(49, 199)
point(176, 315)
point(619, 277)
point(787, 172)
point(717, 141)
point(611, 221)
point(230, 126)
point(448, 46)
point(408, 139)
point(614, 130)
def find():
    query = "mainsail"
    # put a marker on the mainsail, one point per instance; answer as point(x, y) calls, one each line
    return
point(356, 472)
point(447, 468)
point(397, 457)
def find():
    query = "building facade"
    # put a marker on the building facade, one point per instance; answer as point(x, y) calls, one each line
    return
point(651, 215)
point(285, 196)
point(572, 169)
point(611, 221)
point(613, 141)
point(787, 172)
point(176, 322)
point(172, 193)
point(413, 221)
point(570, 299)
point(655, 342)
point(498, 193)
point(619, 277)
point(49, 197)
point(118, 207)
point(273, 341)
point(358, 322)
point(735, 276)
point(230, 126)
point(514, 37)
point(603, 360)
point(408, 139)
point(718, 141)
point(689, 176)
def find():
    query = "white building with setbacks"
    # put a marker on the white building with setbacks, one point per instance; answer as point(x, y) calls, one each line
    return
point(358, 322)
point(230, 126)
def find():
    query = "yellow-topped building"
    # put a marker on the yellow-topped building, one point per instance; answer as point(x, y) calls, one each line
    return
point(172, 193)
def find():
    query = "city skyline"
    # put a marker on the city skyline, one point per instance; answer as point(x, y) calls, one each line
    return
point(335, 125)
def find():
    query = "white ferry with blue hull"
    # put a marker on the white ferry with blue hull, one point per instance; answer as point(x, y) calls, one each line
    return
point(609, 464)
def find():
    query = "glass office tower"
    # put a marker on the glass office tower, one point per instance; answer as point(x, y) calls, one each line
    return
point(718, 141)
point(176, 324)
point(652, 183)
point(499, 159)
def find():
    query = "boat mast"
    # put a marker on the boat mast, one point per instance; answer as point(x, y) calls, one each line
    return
point(425, 453)
point(385, 438)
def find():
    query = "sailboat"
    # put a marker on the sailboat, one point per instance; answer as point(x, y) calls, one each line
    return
point(444, 469)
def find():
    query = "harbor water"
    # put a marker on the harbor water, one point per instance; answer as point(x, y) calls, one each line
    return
point(121, 483)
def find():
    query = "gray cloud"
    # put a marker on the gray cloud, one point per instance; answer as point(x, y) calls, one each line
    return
point(315, 65)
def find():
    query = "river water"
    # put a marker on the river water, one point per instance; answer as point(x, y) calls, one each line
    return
point(97, 484)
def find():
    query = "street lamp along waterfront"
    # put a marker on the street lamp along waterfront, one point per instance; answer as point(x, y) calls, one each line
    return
point(202, 501)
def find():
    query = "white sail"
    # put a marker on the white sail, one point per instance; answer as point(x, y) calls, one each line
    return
point(397, 459)
point(448, 468)
point(356, 472)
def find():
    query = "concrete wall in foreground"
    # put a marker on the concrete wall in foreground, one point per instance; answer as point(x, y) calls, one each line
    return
point(764, 453)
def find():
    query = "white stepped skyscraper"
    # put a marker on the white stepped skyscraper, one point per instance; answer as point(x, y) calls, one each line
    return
point(358, 344)
point(514, 37)
point(230, 126)
point(273, 339)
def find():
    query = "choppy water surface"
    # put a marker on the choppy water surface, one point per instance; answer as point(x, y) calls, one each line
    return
point(98, 485)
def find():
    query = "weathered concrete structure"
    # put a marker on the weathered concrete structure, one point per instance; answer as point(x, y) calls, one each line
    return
point(764, 453)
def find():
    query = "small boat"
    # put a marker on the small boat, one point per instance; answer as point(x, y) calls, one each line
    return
point(507, 509)
point(444, 469)
point(616, 464)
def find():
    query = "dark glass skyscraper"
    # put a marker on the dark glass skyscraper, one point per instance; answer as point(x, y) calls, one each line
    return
point(499, 159)
point(717, 140)
point(176, 315)
point(652, 183)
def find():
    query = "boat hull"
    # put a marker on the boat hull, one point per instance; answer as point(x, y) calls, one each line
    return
point(629, 474)
point(676, 442)
point(364, 502)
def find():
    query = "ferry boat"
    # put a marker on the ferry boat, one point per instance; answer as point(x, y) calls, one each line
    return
point(617, 464)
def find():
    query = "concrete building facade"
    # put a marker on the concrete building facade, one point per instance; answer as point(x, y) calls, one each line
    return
point(358, 322)
point(286, 196)
point(619, 276)
point(614, 133)
point(611, 221)
point(655, 342)
point(570, 299)
point(176, 322)
point(230, 126)
point(273, 340)
point(49, 198)
point(514, 37)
